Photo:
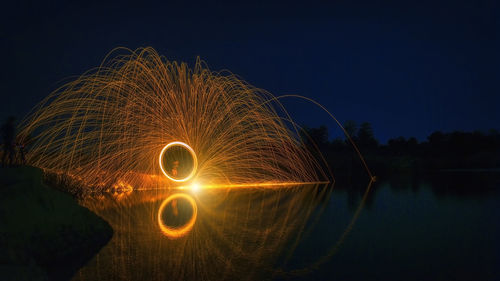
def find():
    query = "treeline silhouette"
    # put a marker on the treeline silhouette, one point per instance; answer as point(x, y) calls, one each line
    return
point(441, 151)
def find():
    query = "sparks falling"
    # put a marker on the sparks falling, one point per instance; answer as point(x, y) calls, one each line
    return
point(111, 124)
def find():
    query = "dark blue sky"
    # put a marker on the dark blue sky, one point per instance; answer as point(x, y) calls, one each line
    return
point(408, 68)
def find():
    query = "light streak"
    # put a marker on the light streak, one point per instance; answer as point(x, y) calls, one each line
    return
point(267, 185)
point(193, 155)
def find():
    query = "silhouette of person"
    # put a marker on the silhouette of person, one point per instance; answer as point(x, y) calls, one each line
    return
point(174, 168)
point(21, 143)
point(8, 133)
point(22, 159)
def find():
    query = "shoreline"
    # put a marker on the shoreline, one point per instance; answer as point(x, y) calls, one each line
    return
point(46, 234)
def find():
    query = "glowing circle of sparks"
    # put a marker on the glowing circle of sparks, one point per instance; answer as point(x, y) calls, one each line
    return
point(177, 232)
point(195, 160)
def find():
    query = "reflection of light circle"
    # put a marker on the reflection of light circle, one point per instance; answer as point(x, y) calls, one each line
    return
point(181, 144)
point(180, 231)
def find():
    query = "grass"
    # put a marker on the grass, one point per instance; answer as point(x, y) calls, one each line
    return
point(44, 233)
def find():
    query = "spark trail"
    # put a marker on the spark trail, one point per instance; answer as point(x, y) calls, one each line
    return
point(109, 126)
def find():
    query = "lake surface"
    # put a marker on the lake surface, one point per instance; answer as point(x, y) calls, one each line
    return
point(443, 226)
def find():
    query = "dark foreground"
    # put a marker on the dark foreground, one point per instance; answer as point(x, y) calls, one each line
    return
point(44, 233)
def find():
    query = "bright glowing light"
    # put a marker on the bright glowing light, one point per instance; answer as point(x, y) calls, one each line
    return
point(177, 232)
point(195, 187)
point(193, 155)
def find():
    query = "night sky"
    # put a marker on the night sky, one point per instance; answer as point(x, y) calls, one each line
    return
point(408, 68)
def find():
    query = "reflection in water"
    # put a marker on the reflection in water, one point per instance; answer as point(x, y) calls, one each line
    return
point(175, 224)
point(292, 233)
point(220, 234)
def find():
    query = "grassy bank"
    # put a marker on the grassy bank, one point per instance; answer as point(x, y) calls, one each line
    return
point(44, 233)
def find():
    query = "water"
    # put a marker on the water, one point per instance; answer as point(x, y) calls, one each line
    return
point(440, 227)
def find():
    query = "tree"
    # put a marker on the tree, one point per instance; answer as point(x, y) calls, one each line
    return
point(365, 135)
point(318, 135)
point(316, 139)
point(351, 129)
point(436, 138)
